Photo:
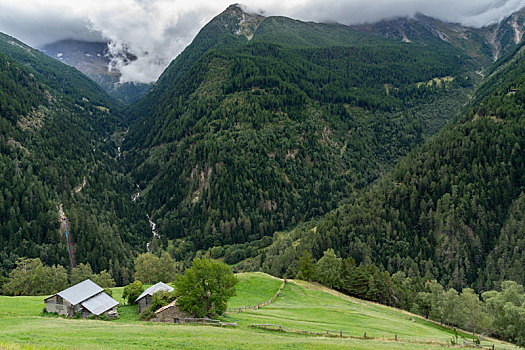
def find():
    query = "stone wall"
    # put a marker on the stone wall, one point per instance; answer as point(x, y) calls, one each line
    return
point(170, 314)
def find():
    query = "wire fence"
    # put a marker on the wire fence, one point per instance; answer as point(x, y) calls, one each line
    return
point(259, 305)
point(464, 343)
point(204, 320)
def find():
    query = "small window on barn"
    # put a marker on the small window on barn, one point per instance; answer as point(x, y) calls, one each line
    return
point(60, 301)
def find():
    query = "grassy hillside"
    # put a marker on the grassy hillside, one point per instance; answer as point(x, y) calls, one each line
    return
point(302, 305)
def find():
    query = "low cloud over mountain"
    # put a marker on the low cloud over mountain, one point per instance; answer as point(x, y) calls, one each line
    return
point(155, 31)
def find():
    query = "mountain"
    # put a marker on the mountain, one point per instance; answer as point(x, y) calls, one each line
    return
point(453, 209)
point(263, 122)
point(93, 59)
point(59, 133)
point(485, 45)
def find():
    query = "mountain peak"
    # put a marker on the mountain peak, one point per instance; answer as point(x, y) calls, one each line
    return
point(240, 21)
point(234, 8)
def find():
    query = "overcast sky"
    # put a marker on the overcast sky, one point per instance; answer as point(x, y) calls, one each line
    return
point(156, 31)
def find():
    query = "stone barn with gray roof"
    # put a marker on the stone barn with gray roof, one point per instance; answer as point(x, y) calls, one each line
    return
point(86, 298)
point(144, 300)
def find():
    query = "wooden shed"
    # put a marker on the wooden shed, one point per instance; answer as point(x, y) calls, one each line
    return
point(86, 298)
point(144, 300)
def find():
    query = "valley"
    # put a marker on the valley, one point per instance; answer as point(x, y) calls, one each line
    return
point(379, 168)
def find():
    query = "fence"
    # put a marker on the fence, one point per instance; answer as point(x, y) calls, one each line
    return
point(259, 305)
point(205, 320)
point(341, 334)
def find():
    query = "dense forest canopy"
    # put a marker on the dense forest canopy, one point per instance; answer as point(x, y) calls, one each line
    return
point(453, 209)
point(318, 131)
point(242, 138)
point(56, 130)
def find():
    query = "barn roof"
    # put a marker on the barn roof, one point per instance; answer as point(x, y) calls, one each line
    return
point(166, 306)
point(99, 304)
point(155, 288)
point(80, 292)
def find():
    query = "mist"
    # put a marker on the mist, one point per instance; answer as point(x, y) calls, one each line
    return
point(156, 31)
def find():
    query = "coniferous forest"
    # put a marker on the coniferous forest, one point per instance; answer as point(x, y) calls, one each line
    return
point(389, 170)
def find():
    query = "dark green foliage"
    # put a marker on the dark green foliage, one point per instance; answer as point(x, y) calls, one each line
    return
point(55, 130)
point(103, 279)
point(80, 273)
point(152, 269)
point(328, 269)
point(162, 298)
point(132, 291)
point(31, 277)
point(240, 139)
point(204, 289)
point(451, 204)
point(306, 267)
point(508, 309)
point(147, 314)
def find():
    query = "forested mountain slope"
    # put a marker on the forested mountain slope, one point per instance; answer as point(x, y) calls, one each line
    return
point(265, 122)
point(55, 133)
point(453, 209)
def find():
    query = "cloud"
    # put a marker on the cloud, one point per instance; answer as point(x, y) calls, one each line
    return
point(156, 31)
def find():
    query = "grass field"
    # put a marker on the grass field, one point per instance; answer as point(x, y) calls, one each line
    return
point(301, 306)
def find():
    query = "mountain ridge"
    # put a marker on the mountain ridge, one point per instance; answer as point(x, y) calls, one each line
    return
point(93, 59)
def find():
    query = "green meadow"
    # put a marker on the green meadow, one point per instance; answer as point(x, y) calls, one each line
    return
point(301, 306)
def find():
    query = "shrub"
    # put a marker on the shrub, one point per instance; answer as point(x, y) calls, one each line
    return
point(217, 252)
point(147, 314)
point(162, 298)
point(132, 291)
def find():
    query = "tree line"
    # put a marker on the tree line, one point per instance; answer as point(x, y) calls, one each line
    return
point(496, 312)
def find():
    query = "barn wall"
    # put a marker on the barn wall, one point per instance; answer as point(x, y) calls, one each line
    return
point(169, 314)
point(64, 309)
point(144, 302)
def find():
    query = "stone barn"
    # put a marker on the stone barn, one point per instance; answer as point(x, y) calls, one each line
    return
point(170, 313)
point(86, 298)
point(144, 300)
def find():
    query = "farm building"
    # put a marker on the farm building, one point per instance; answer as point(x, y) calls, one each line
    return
point(170, 313)
point(85, 297)
point(144, 300)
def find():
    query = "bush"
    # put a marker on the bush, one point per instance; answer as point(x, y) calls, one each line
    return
point(234, 254)
point(217, 252)
point(147, 314)
point(162, 298)
point(132, 291)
